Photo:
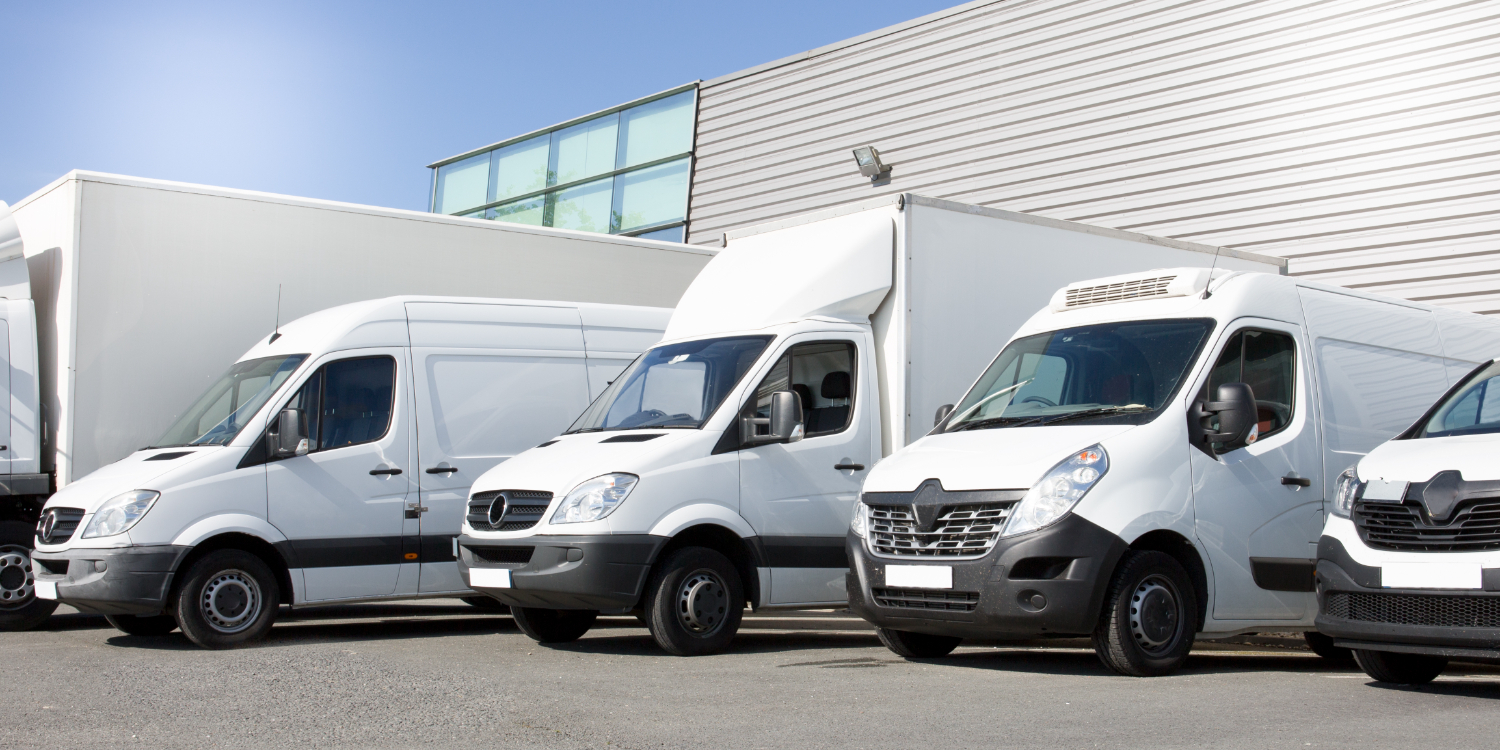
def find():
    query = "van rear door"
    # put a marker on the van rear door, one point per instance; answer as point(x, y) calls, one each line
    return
point(491, 381)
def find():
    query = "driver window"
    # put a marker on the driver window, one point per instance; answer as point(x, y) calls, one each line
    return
point(1265, 361)
point(821, 374)
point(347, 402)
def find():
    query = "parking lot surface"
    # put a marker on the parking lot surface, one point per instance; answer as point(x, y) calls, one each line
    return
point(441, 673)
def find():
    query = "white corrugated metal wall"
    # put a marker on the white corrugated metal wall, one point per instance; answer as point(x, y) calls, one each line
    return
point(1357, 138)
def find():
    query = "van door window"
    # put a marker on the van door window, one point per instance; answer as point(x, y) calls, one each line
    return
point(347, 402)
point(1265, 361)
point(822, 376)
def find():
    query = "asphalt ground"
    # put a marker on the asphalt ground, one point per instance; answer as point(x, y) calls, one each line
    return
point(443, 674)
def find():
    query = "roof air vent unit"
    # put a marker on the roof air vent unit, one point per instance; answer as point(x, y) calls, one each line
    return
point(1155, 284)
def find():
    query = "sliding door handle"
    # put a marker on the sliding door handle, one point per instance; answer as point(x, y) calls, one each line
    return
point(378, 472)
point(849, 467)
point(442, 469)
point(1297, 481)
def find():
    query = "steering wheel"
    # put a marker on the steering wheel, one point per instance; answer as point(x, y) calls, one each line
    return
point(1039, 399)
point(642, 417)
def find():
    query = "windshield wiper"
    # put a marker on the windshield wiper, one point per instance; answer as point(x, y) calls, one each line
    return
point(996, 422)
point(1098, 411)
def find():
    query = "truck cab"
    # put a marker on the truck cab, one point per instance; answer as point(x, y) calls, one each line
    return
point(1408, 570)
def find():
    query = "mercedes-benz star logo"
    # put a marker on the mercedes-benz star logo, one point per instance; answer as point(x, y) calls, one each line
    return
point(49, 521)
point(497, 510)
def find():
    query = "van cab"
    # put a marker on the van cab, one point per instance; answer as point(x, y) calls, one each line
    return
point(331, 463)
point(1146, 462)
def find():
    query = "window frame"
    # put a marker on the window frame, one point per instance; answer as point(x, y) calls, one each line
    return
point(751, 401)
point(320, 372)
point(1202, 395)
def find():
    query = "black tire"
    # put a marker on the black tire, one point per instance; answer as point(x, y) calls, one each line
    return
point(226, 599)
point(19, 607)
point(694, 602)
point(143, 624)
point(1402, 669)
point(554, 625)
point(1322, 645)
point(1150, 616)
point(917, 645)
point(485, 602)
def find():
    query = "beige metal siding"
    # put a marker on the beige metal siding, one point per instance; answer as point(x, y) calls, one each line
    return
point(1357, 138)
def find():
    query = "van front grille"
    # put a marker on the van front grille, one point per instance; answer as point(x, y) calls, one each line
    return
point(1475, 527)
point(961, 532)
point(520, 509)
point(952, 601)
point(1432, 610)
point(1121, 291)
point(58, 524)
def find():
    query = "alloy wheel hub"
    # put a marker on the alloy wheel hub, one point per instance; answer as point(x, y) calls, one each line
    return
point(230, 601)
point(702, 602)
point(1154, 616)
point(17, 585)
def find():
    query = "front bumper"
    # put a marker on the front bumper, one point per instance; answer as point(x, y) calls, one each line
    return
point(1420, 621)
point(123, 581)
point(1068, 564)
point(565, 572)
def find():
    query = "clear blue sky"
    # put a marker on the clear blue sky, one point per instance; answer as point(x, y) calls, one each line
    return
point(350, 101)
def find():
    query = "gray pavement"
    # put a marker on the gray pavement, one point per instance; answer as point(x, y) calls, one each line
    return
point(441, 673)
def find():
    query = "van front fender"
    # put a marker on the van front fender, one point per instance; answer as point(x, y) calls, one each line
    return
point(699, 513)
point(228, 523)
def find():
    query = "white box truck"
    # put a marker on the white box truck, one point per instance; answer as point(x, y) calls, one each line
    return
point(330, 463)
point(721, 468)
point(1408, 570)
point(145, 289)
point(1146, 463)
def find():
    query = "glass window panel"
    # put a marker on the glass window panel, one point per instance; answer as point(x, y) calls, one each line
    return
point(462, 184)
point(584, 150)
point(585, 207)
point(519, 168)
point(657, 195)
point(670, 234)
point(527, 211)
point(656, 130)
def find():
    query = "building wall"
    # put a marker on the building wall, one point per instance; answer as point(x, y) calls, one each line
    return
point(1357, 138)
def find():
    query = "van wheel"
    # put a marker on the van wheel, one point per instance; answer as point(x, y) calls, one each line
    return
point(485, 602)
point(227, 599)
point(19, 607)
point(143, 624)
point(554, 625)
point(1402, 669)
point(1322, 645)
point(1147, 626)
point(917, 645)
point(694, 602)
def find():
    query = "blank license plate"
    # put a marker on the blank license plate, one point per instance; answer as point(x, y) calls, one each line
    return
point(1432, 576)
point(919, 576)
point(490, 578)
point(46, 589)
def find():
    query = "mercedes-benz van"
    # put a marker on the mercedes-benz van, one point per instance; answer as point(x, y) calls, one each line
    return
point(1409, 561)
point(1145, 463)
point(331, 463)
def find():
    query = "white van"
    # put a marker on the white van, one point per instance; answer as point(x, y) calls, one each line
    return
point(722, 466)
point(1409, 562)
point(1146, 461)
point(331, 463)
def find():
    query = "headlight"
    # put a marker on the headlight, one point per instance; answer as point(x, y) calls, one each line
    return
point(595, 498)
point(120, 513)
point(1057, 493)
point(1344, 492)
point(857, 520)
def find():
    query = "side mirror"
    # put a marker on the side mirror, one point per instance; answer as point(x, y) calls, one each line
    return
point(288, 439)
point(784, 425)
point(942, 414)
point(1235, 408)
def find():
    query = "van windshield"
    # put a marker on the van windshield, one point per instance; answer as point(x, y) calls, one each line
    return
point(1473, 410)
point(677, 385)
point(222, 411)
point(1123, 372)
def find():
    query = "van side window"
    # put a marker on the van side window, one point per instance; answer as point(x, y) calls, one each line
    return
point(1265, 361)
point(822, 376)
point(347, 402)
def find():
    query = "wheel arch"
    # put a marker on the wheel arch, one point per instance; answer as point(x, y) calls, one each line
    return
point(239, 540)
point(1181, 549)
point(742, 553)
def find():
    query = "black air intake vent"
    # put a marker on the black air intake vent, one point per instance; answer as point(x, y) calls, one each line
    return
point(632, 438)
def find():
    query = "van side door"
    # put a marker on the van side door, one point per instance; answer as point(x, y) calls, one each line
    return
point(341, 504)
point(491, 381)
point(1259, 506)
point(798, 496)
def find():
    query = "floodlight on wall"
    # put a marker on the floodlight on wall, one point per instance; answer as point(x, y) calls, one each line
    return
point(868, 159)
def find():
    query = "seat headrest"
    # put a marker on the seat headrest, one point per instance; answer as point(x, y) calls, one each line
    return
point(804, 393)
point(836, 385)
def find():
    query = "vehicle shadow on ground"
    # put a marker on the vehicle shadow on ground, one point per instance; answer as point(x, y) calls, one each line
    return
point(638, 641)
point(74, 621)
point(1082, 661)
point(1455, 686)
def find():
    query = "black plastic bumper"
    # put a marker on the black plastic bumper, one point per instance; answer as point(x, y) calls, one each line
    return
point(1338, 573)
point(127, 581)
point(1068, 565)
point(565, 572)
